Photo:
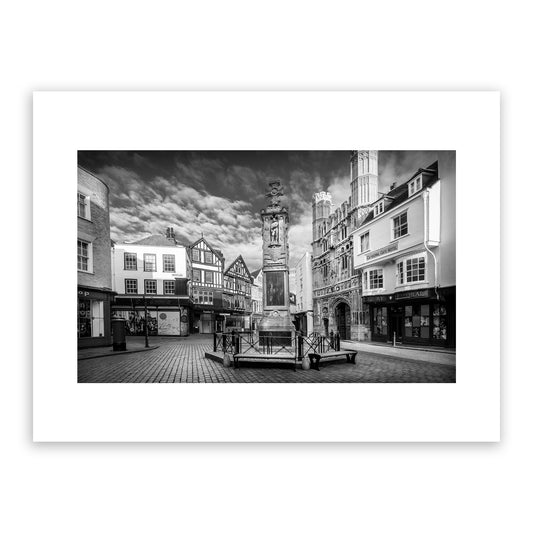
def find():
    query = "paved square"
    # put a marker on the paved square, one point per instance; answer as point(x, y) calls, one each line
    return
point(182, 360)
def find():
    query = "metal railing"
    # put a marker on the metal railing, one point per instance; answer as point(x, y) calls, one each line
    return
point(238, 343)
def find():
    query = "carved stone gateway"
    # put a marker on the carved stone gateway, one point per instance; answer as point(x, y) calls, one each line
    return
point(276, 320)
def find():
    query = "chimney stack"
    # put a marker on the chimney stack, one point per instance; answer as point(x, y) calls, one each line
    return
point(170, 234)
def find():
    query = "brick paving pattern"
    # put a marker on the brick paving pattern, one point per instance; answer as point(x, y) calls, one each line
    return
point(182, 360)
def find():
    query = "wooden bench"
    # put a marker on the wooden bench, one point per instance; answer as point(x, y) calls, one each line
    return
point(266, 358)
point(316, 358)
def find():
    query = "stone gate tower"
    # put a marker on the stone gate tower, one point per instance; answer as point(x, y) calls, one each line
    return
point(276, 318)
point(364, 177)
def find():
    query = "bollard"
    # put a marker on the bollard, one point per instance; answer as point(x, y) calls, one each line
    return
point(118, 326)
point(394, 339)
point(214, 341)
point(226, 361)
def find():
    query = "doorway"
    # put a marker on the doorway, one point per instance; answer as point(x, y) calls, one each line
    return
point(342, 317)
point(396, 324)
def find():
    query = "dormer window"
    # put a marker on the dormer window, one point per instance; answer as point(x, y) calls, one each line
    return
point(379, 208)
point(415, 185)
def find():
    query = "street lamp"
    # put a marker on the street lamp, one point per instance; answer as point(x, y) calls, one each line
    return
point(146, 345)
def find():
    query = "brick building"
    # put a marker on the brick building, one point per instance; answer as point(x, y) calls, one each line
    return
point(95, 293)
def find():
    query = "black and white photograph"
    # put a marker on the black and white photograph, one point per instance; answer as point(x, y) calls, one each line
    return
point(266, 266)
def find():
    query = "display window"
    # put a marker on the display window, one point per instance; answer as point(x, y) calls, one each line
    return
point(380, 323)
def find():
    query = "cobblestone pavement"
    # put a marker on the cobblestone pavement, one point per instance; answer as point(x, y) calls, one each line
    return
point(182, 360)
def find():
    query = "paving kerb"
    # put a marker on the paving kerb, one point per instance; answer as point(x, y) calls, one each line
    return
point(429, 356)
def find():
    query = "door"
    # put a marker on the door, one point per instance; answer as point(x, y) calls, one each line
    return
point(396, 324)
point(343, 320)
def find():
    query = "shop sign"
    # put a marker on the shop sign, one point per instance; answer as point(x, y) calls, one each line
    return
point(423, 293)
point(382, 251)
point(91, 294)
point(376, 299)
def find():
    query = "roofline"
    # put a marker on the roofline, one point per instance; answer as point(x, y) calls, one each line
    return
point(406, 201)
point(244, 263)
point(94, 176)
point(219, 255)
point(153, 245)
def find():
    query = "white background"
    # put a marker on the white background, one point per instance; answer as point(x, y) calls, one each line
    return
point(465, 411)
point(163, 487)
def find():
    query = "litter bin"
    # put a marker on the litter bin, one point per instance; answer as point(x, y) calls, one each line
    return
point(118, 326)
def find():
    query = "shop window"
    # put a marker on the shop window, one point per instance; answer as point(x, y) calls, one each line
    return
point(150, 286)
point(169, 263)
point(169, 287)
point(149, 263)
point(380, 321)
point(84, 256)
point(84, 318)
point(399, 226)
point(440, 322)
point(417, 321)
point(90, 318)
point(130, 261)
point(130, 286)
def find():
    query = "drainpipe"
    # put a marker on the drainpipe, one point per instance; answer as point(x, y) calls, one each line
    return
point(426, 223)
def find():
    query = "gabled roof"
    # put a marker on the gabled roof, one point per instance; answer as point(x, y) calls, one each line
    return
point(156, 240)
point(239, 258)
point(399, 194)
point(255, 273)
point(218, 253)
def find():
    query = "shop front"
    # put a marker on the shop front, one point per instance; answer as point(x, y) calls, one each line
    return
point(417, 317)
point(238, 322)
point(94, 317)
point(207, 321)
point(162, 316)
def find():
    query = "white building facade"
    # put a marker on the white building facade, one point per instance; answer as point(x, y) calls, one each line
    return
point(303, 290)
point(154, 271)
point(257, 297)
point(405, 251)
point(384, 263)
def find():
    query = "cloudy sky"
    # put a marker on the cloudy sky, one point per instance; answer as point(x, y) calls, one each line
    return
point(221, 193)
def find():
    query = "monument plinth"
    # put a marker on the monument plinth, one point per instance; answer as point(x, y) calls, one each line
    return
point(276, 320)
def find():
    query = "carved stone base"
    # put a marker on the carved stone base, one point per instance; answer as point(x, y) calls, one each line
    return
point(278, 328)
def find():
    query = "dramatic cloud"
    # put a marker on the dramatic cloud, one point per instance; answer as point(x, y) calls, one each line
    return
point(219, 194)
